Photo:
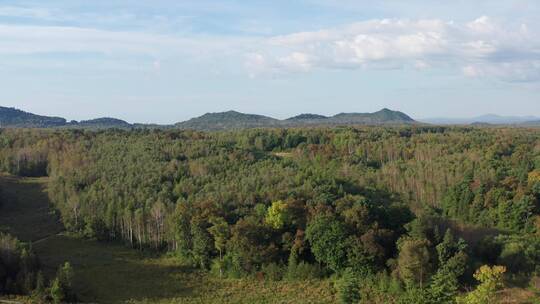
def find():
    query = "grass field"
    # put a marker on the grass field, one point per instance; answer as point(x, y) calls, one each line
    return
point(25, 211)
point(113, 273)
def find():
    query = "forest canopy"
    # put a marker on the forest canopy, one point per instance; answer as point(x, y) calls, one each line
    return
point(420, 208)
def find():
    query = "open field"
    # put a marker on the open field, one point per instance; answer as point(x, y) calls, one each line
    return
point(25, 212)
point(112, 273)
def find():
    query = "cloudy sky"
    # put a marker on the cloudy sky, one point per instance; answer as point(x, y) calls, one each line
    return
point(168, 60)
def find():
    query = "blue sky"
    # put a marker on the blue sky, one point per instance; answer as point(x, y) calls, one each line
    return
point(165, 61)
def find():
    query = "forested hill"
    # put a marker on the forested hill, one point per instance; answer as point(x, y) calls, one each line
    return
point(384, 116)
point(230, 120)
point(15, 118)
point(105, 122)
point(534, 123)
point(10, 117)
point(235, 120)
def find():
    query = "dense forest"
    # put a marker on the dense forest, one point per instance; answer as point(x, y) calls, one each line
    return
point(413, 214)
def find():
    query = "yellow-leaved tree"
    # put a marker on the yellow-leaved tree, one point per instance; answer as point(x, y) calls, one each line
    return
point(491, 280)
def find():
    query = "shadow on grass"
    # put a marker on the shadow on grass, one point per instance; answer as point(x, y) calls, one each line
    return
point(111, 273)
point(25, 211)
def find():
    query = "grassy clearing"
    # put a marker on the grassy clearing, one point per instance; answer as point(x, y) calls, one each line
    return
point(112, 273)
point(25, 211)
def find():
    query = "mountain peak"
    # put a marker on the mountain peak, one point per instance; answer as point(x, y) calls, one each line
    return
point(105, 122)
point(228, 120)
point(307, 116)
point(11, 117)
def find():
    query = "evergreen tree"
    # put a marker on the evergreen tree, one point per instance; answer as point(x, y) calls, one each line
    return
point(414, 261)
point(349, 287)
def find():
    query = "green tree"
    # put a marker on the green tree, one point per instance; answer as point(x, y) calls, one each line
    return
point(220, 232)
point(328, 239)
point(39, 291)
point(65, 275)
point(414, 261)
point(278, 215)
point(348, 287)
point(491, 280)
point(443, 287)
point(202, 242)
point(57, 291)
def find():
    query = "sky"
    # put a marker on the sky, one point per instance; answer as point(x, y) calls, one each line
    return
point(164, 61)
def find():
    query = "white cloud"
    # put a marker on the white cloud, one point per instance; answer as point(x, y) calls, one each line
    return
point(471, 71)
point(256, 64)
point(297, 61)
point(479, 48)
point(17, 39)
point(482, 25)
point(22, 12)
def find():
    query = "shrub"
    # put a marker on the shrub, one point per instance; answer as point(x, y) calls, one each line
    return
point(273, 272)
point(303, 271)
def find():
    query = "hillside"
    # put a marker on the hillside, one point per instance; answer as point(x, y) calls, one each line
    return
point(102, 123)
point(307, 116)
point(15, 118)
point(384, 116)
point(228, 120)
point(534, 123)
point(11, 117)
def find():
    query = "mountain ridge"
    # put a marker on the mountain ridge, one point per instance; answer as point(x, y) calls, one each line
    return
point(15, 118)
point(229, 120)
point(236, 120)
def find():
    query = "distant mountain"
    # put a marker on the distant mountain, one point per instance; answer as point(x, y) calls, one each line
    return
point(231, 120)
point(486, 119)
point(14, 118)
point(303, 117)
point(533, 123)
point(104, 123)
point(228, 120)
point(384, 116)
point(236, 120)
